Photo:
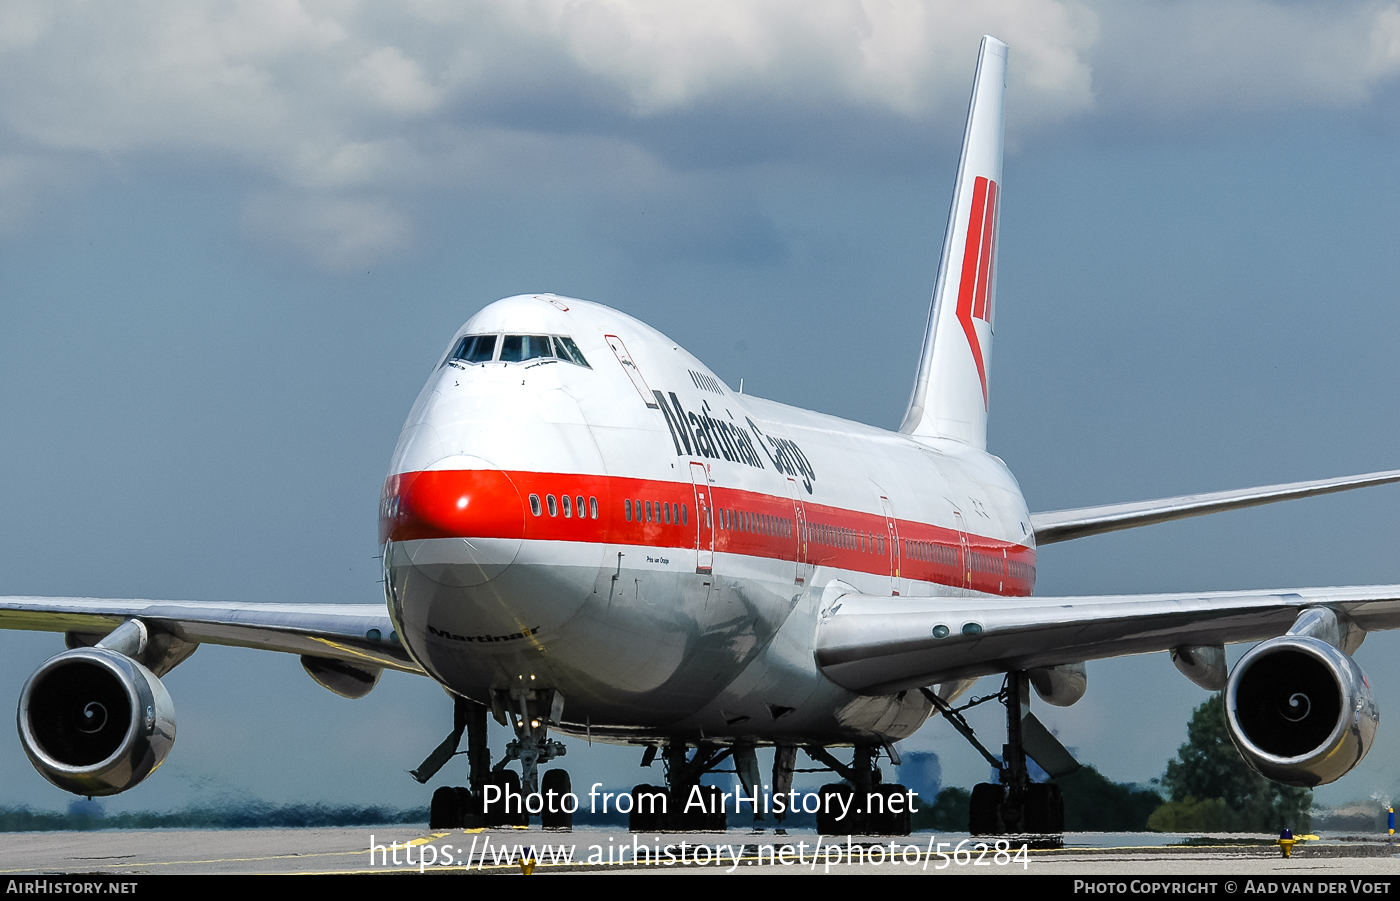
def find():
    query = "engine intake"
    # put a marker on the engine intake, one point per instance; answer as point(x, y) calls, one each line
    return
point(95, 722)
point(1300, 711)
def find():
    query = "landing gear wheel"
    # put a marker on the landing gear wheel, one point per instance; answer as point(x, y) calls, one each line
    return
point(895, 819)
point(443, 813)
point(468, 808)
point(984, 813)
point(710, 819)
point(1045, 809)
point(503, 811)
point(555, 786)
point(644, 816)
point(837, 797)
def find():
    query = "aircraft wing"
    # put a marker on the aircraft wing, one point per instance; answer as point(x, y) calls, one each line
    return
point(877, 645)
point(1062, 525)
point(355, 633)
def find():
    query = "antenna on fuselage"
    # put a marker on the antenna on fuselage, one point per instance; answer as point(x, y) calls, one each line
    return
point(950, 397)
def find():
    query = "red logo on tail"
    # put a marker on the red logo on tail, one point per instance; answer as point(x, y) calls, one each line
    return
point(977, 269)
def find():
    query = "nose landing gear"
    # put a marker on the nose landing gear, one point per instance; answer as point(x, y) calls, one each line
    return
point(528, 711)
point(495, 795)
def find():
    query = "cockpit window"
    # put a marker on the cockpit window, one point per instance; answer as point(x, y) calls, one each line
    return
point(515, 349)
point(566, 349)
point(475, 349)
point(518, 348)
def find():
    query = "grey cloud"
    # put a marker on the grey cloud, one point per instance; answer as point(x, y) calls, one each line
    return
point(339, 234)
point(332, 100)
point(1181, 62)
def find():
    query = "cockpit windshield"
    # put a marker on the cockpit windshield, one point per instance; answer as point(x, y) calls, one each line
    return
point(519, 348)
point(566, 349)
point(475, 349)
point(516, 349)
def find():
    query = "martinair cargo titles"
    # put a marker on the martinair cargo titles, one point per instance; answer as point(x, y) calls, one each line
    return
point(585, 530)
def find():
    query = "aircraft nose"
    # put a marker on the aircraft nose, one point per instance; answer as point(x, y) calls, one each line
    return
point(459, 497)
point(460, 522)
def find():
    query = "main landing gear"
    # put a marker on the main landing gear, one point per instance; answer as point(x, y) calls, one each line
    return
point(495, 795)
point(683, 804)
point(1014, 805)
point(862, 805)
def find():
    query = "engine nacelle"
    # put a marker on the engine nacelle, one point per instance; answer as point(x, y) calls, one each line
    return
point(1300, 711)
point(95, 722)
point(1061, 685)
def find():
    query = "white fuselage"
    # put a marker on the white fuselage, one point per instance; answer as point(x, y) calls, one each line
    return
point(655, 548)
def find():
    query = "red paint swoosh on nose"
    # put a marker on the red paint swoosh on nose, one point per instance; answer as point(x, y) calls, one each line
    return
point(482, 503)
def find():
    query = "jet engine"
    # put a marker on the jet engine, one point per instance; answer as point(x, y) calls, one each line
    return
point(1300, 711)
point(95, 722)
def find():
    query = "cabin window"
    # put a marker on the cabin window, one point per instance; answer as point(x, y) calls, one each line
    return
point(578, 505)
point(553, 509)
point(626, 509)
point(592, 508)
point(649, 519)
point(685, 516)
point(568, 507)
point(535, 504)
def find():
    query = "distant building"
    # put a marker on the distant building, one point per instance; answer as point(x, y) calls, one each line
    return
point(922, 772)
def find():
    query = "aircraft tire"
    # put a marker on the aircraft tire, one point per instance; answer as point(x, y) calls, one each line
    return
point(890, 821)
point(829, 819)
point(984, 813)
point(711, 819)
point(558, 782)
point(646, 818)
point(1045, 809)
point(443, 813)
point(503, 814)
point(468, 808)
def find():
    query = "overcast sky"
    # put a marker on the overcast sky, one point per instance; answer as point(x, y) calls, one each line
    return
point(234, 238)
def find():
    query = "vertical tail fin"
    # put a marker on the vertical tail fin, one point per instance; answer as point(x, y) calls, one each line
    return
point(950, 398)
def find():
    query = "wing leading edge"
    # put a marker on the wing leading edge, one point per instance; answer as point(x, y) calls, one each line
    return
point(1063, 525)
point(354, 633)
point(876, 645)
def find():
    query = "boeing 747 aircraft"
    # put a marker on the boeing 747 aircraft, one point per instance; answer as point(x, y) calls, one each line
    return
point(587, 532)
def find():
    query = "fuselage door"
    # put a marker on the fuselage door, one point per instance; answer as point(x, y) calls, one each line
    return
point(799, 525)
point(629, 366)
point(965, 554)
point(892, 542)
point(704, 520)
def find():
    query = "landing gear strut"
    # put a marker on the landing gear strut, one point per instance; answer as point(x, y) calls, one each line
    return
point(683, 804)
point(1013, 804)
point(863, 804)
point(528, 711)
point(784, 763)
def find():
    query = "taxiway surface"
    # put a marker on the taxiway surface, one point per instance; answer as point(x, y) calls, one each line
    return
point(408, 850)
